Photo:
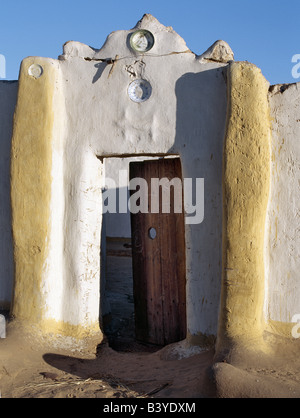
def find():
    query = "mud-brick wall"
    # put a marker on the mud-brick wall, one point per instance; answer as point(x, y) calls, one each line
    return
point(8, 97)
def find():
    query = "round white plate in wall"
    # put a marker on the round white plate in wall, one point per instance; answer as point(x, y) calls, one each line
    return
point(35, 70)
point(141, 40)
point(139, 90)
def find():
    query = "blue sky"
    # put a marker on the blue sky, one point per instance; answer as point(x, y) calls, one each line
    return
point(263, 32)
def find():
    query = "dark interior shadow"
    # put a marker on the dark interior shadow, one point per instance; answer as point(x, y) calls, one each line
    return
point(116, 287)
point(117, 308)
point(9, 91)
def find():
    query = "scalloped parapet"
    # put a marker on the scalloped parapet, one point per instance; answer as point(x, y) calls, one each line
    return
point(167, 42)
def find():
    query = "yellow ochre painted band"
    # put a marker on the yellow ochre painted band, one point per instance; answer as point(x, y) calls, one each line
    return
point(31, 163)
point(246, 183)
point(80, 332)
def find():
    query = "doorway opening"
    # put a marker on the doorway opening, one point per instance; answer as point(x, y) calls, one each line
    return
point(144, 269)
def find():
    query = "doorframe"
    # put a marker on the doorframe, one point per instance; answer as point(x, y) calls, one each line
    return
point(103, 297)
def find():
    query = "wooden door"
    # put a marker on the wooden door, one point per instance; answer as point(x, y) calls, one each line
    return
point(158, 251)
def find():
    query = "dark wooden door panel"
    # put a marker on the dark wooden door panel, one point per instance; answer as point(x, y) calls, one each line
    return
point(159, 262)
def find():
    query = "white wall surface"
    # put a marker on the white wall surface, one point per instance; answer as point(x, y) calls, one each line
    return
point(185, 115)
point(283, 223)
point(8, 97)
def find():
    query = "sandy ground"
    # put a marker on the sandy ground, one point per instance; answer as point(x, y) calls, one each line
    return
point(123, 368)
point(30, 370)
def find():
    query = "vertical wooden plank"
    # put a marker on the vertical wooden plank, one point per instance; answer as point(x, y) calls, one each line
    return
point(179, 226)
point(155, 311)
point(173, 262)
point(138, 267)
point(159, 263)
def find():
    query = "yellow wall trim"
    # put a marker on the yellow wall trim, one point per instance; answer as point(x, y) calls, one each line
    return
point(283, 329)
point(31, 164)
point(50, 326)
point(246, 183)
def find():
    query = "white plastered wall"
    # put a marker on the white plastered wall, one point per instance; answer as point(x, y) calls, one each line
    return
point(185, 116)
